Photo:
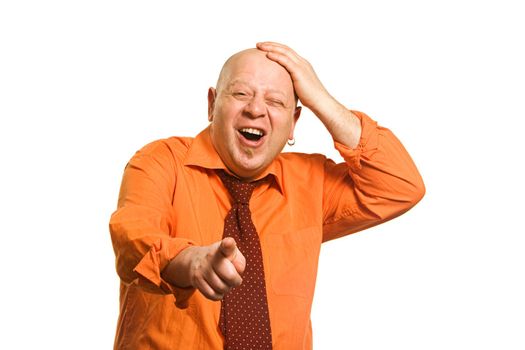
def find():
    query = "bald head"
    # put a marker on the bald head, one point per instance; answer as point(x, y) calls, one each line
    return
point(253, 61)
point(252, 112)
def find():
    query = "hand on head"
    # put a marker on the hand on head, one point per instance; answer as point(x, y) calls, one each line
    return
point(340, 122)
point(306, 84)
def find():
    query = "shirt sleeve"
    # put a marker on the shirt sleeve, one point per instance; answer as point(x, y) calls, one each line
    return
point(377, 182)
point(141, 227)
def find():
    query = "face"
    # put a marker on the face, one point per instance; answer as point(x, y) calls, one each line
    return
point(252, 112)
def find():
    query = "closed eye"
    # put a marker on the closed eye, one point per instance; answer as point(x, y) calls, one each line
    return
point(275, 103)
point(240, 95)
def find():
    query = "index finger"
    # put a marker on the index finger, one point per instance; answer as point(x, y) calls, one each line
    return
point(281, 50)
point(226, 271)
point(276, 47)
point(228, 248)
point(273, 44)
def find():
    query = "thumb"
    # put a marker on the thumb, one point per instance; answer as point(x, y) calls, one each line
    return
point(228, 248)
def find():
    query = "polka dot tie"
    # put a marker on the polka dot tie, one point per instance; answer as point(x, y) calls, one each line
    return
point(244, 319)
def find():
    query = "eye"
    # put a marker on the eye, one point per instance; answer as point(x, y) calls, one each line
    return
point(275, 102)
point(240, 95)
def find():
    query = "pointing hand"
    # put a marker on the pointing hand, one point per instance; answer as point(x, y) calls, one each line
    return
point(214, 269)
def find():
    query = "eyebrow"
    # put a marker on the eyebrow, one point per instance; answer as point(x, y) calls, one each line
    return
point(239, 81)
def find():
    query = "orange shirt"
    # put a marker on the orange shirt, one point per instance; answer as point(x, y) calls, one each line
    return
point(171, 198)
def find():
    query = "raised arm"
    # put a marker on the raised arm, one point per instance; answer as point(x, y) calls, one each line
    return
point(378, 180)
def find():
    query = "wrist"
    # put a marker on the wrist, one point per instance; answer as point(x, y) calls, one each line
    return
point(177, 272)
point(326, 108)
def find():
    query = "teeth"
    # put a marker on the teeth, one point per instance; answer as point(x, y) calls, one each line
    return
point(252, 131)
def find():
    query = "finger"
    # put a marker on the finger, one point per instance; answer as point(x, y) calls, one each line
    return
point(202, 285)
point(291, 56)
point(216, 283)
point(283, 60)
point(293, 68)
point(287, 58)
point(281, 49)
point(228, 248)
point(272, 44)
point(239, 263)
point(227, 272)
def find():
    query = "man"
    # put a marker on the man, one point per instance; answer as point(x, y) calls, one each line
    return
point(189, 278)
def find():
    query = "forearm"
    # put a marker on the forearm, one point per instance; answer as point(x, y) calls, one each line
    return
point(381, 167)
point(340, 122)
point(142, 248)
point(142, 227)
point(177, 272)
point(377, 182)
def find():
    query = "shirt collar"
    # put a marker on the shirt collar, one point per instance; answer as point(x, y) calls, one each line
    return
point(202, 154)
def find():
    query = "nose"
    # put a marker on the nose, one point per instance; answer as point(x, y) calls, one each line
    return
point(255, 108)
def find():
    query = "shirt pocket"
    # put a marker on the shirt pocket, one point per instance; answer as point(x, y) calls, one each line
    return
point(293, 258)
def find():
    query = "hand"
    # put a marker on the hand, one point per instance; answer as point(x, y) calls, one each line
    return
point(340, 122)
point(214, 270)
point(307, 85)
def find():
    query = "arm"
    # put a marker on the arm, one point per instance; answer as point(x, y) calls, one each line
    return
point(148, 253)
point(142, 226)
point(378, 180)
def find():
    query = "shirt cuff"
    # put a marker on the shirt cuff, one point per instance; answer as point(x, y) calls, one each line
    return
point(154, 261)
point(367, 145)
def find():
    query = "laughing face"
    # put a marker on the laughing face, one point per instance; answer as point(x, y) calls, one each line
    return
point(252, 112)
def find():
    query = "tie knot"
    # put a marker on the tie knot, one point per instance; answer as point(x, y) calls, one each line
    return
point(239, 190)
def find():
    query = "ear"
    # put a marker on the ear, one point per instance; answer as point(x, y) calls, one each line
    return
point(296, 115)
point(212, 94)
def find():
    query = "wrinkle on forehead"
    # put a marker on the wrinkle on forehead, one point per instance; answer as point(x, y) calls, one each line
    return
point(239, 81)
point(242, 59)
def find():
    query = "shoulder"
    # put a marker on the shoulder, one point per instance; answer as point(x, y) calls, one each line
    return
point(173, 147)
point(302, 165)
point(296, 158)
point(163, 154)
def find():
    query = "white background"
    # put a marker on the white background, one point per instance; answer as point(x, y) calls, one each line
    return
point(83, 85)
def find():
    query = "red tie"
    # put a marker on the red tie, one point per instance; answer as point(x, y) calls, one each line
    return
point(244, 320)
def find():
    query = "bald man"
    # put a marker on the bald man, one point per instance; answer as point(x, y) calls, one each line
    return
point(177, 262)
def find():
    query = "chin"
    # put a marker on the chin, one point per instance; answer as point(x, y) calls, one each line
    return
point(250, 163)
point(249, 170)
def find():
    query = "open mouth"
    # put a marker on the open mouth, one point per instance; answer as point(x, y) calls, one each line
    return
point(251, 134)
